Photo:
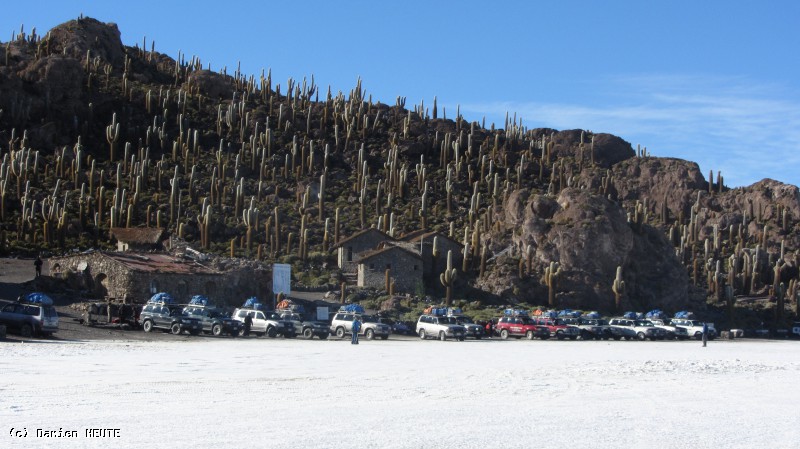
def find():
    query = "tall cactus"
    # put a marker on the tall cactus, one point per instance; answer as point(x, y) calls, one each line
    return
point(112, 136)
point(618, 287)
point(448, 278)
point(552, 274)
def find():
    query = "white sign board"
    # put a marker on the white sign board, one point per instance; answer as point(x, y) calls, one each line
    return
point(281, 278)
point(322, 313)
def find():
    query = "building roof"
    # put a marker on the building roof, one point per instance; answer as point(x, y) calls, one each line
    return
point(138, 236)
point(363, 233)
point(157, 263)
point(428, 236)
point(387, 249)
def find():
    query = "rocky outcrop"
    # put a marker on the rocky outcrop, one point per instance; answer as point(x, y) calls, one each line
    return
point(589, 236)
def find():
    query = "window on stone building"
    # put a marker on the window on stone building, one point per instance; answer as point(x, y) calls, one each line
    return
point(153, 286)
point(415, 267)
point(349, 253)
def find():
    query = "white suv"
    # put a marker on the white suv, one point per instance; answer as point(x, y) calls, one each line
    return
point(644, 330)
point(342, 324)
point(265, 323)
point(694, 327)
point(440, 327)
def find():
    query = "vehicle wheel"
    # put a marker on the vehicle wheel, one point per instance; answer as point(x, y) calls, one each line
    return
point(308, 333)
point(442, 336)
point(340, 332)
point(560, 335)
point(529, 335)
point(369, 334)
point(175, 329)
point(422, 334)
point(628, 338)
point(26, 331)
point(698, 335)
point(640, 336)
point(289, 335)
point(147, 326)
point(384, 337)
point(216, 330)
point(504, 334)
point(271, 332)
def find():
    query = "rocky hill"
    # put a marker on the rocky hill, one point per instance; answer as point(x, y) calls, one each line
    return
point(95, 134)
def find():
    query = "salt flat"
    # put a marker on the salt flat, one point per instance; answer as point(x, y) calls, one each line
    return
point(404, 393)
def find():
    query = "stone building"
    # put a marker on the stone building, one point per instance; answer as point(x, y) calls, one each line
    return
point(404, 265)
point(138, 239)
point(423, 241)
point(352, 248)
point(135, 277)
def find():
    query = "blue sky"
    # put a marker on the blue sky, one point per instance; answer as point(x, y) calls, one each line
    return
point(715, 82)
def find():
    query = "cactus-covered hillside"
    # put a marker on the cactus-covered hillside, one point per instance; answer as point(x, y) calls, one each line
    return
point(95, 134)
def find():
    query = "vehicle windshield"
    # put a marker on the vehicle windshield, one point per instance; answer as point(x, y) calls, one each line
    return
point(291, 316)
point(368, 319)
point(464, 320)
point(644, 323)
point(273, 316)
point(526, 320)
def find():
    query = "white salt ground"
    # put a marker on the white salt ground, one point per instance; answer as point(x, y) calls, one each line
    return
point(274, 393)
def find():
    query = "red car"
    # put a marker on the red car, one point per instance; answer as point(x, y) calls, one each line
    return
point(558, 329)
point(520, 326)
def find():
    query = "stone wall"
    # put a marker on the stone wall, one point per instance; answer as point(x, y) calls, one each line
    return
point(352, 250)
point(406, 269)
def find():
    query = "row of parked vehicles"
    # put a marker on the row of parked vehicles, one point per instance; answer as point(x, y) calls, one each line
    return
point(444, 323)
point(34, 315)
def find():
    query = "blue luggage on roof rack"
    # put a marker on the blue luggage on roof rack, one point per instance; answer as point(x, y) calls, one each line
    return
point(38, 298)
point(630, 315)
point(199, 300)
point(352, 308)
point(252, 303)
point(161, 298)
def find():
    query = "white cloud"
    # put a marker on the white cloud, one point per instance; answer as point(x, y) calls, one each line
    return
point(749, 131)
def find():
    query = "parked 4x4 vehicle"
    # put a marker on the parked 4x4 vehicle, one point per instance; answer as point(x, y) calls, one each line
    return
point(441, 327)
point(265, 323)
point(342, 324)
point(213, 320)
point(673, 332)
point(473, 330)
point(308, 329)
point(557, 328)
point(588, 330)
point(30, 319)
point(169, 318)
point(694, 327)
point(520, 326)
point(644, 330)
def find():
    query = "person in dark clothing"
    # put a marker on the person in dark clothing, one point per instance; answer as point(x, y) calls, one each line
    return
point(248, 323)
point(489, 329)
point(356, 330)
point(705, 334)
point(38, 264)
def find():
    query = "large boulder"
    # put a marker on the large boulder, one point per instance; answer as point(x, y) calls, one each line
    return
point(589, 236)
